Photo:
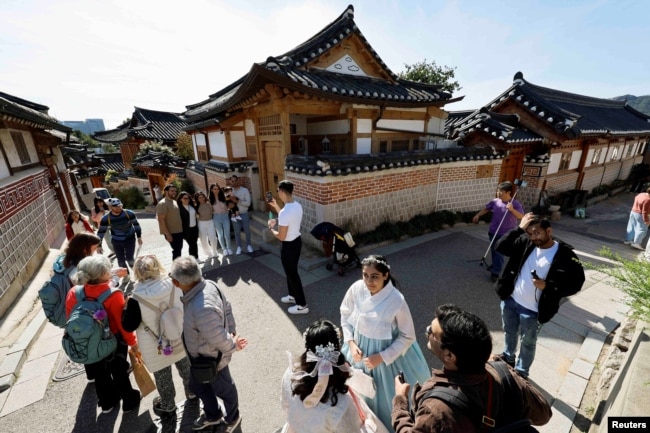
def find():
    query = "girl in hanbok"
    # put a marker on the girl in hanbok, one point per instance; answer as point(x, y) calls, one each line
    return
point(379, 336)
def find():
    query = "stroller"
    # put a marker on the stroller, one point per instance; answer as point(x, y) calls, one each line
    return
point(337, 244)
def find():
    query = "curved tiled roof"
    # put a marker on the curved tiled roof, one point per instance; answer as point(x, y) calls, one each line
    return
point(343, 165)
point(291, 70)
point(505, 127)
point(147, 125)
point(14, 108)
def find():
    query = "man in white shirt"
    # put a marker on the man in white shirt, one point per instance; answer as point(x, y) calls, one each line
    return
point(242, 197)
point(289, 220)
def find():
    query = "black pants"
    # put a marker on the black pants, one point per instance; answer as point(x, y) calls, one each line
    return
point(191, 236)
point(290, 255)
point(112, 382)
point(176, 244)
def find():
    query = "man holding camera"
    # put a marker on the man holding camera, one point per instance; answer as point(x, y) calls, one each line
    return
point(540, 271)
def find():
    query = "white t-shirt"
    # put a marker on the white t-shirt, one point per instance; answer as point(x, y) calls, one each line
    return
point(291, 216)
point(525, 293)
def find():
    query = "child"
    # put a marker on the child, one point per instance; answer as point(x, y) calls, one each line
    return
point(233, 209)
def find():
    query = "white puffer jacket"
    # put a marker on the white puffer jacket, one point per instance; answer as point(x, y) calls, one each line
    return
point(155, 292)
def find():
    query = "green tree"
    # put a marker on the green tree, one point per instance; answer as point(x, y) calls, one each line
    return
point(184, 148)
point(431, 73)
point(154, 146)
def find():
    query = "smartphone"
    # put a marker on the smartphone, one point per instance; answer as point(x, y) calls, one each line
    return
point(401, 377)
point(269, 196)
point(533, 274)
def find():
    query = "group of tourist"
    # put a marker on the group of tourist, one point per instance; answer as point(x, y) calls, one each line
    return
point(376, 340)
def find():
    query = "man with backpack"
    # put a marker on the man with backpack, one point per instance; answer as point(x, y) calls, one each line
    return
point(124, 229)
point(469, 395)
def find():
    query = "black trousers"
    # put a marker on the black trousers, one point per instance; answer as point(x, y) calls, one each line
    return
point(176, 244)
point(191, 236)
point(290, 255)
point(112, 382)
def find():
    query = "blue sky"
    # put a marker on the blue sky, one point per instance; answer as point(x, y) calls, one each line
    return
point(99, 59)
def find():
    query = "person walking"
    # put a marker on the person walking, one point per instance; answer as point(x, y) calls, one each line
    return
point(378, 334)
point(190, 222)
point(207, 233)
point(242, 197)
point(540, 271)
point(169, 220)
point(315, 395)
point(76, 223)
point(288, 232)
point(209, 330)
point(506, 212)
point(111, 375)
point(153, 288)
point(97, 212)
point(125, 228)
point(637, 225)
point(220, 218)
point(462, 342)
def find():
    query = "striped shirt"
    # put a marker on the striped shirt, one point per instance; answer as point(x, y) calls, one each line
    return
point(123, 226)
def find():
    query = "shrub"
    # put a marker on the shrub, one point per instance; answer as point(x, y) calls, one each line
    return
point(132, 198)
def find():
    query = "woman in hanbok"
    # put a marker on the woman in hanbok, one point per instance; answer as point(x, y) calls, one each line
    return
point(379, 336)
point(315, 396)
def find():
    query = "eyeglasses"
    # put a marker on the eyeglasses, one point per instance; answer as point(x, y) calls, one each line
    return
point(429, 333)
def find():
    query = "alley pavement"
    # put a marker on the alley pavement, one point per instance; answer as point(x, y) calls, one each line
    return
point(436, 268)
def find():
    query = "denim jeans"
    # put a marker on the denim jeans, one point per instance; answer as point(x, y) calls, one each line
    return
point(518, 320)
point(246, 222)
point(222, 225)
point(222, 387)
point(636, 228)
point(124, 251)
point(497, 258)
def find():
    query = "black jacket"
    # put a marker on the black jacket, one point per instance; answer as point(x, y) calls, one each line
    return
point(565, 277)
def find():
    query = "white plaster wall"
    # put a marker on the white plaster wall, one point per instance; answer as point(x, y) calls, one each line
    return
point(299, 121)
point(554, 163)
point(238, 143)
point(575, 159)
point(436, 125)
point(364, 126)
point(364, 145)
point(590, 156)
point(217, 144)
point(249, 127)
point(403, 125)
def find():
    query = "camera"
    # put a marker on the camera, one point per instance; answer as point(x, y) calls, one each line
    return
point(533, 274)
point(269, 196)
point(401, 377)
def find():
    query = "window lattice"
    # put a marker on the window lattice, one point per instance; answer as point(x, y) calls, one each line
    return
point(21, 147)
point(269, 125)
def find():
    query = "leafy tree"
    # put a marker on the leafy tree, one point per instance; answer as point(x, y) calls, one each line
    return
point(85, 138)
point(431, 73)
point(109, 148)
point(184, 147)
point(110, 174)
point(154, 146)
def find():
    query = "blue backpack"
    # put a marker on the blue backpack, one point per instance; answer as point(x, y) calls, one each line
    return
point(88, 338)
point(53, 294)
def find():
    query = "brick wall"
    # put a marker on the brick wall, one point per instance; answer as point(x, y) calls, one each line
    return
point(30, 221)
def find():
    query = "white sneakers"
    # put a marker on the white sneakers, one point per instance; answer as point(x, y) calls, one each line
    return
point(638, 247)
point(250, 249)
point(288, 299)
point(238, 250)
point(227, 252)
point(298, 309)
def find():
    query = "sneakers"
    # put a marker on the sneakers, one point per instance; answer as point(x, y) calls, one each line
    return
point(163, 410)
point(638, 247)
point(233, 219)
point(231, 426)
point(202, 422)
point(288, 299)
point(238, 250)
point(228, 252)
point(626, 242)
point(298, 309)
point(109, 410)
point(250, 249)
point(189, 395)
point(126, 408)
point(237, 218)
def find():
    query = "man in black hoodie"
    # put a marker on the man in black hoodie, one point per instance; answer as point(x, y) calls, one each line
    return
point(540, 271)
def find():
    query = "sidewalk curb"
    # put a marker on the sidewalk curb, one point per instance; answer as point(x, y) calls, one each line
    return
point(13, 362)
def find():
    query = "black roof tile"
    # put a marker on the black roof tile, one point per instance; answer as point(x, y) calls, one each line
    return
point(148, 125)
point(31, 111)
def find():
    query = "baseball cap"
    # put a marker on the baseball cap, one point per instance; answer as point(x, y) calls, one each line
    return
point(114, 202)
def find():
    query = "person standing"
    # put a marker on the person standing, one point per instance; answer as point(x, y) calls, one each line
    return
point(76, 223)
point(462, 342)
point(379, 334)
point(637, 225)
point(288, 232)
point(153, 288)
point(209, 330)
point(97, 212)
point(242, 197)
point(505, 214)
point(111, 375)
point(540, 271)
point(220, 218)
point(124, 227)
point(207, 234)
point(169, 220)
point(189, 221)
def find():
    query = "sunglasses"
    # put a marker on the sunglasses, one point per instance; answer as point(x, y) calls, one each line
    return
point(429, 334)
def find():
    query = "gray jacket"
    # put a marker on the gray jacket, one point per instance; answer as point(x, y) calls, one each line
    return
point(208, 323)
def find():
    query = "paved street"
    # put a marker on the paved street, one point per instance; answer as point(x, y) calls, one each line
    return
point(436, 268)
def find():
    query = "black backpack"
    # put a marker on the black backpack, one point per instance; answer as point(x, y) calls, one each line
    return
point(481, 414)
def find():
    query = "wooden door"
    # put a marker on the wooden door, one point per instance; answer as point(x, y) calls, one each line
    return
point(511, 168)
point(274, 158)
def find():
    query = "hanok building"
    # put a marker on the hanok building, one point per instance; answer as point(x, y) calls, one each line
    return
point(35, 191)
point(555, 140)
point(361, 145)
point(145, 125)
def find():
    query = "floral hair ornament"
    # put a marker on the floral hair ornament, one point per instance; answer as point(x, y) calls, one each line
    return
point(326, 358)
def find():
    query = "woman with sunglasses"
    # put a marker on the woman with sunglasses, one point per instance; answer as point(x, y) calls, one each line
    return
point(379, 334)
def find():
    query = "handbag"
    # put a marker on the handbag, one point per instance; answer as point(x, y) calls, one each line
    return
point(143, 377)
point(204, 369)
point(362, 383)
